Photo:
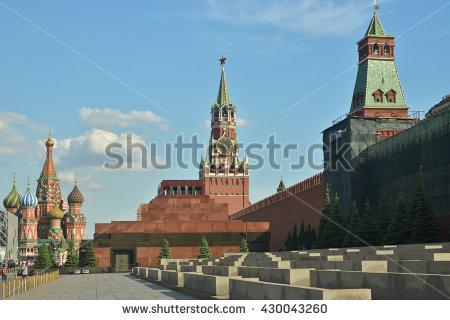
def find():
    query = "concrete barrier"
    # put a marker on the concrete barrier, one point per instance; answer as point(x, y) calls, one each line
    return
point(287, 276)
point(207, 284)
point(386, 286)
point(196, 269)
point(154, 274)
point(251, 289)
point(223, 271)
point(172, 277)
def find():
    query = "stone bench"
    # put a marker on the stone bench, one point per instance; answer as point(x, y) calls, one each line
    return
point(252, 289)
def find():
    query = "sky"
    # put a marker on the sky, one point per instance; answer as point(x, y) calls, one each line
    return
point(96, 72)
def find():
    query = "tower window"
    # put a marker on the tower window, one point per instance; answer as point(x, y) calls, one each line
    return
point(237, 182)
point(216, 182)
point(226, 181)
point(224, 112)
point(391, 96)
point(375, 48)
point(378, 96)
point(386, 48)
point(232, 113)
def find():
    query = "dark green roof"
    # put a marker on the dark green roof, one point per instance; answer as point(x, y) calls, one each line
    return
point(223, 96)
point(375, 28)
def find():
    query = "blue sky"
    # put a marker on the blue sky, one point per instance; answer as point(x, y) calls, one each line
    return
point(151, 69)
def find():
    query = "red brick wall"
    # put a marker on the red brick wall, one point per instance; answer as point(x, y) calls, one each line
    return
point(303, 201)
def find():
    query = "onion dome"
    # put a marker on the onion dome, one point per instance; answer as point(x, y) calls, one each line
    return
point(56, 212)
point(28, 200)
point(12, 199)
point(75, 196)
point(63, 204)
point(49, 142)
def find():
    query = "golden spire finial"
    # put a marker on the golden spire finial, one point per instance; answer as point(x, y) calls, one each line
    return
point(49, 133)
point(28, 181)
point(14, 183)
point(376, 6)
point(76, 179)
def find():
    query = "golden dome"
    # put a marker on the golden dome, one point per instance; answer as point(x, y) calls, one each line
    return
point(49, 142)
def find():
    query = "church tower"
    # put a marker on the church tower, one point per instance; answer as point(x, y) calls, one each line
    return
point(48, 190)
point(377, 92)
point(224, 173)
point(28, 237)
point(74, 220)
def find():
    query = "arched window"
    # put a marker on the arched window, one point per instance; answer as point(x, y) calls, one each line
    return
point(216, 113)
point(224, 112)
point(237, 182)
point(232, 114)
point(226, 181)
point(386, 48)
point(216, 182)
point(375, 48)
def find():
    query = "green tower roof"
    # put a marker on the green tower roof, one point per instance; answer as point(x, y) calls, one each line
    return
point(223, 97)
point(12, 199)
point(375, 28)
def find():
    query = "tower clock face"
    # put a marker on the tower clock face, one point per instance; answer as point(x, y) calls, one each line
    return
point(225, 146)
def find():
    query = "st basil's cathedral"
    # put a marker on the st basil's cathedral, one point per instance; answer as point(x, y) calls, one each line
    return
point(46, 217)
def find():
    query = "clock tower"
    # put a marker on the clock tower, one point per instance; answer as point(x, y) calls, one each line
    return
point(224, 173)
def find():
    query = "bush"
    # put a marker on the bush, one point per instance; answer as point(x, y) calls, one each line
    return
point(243, 246)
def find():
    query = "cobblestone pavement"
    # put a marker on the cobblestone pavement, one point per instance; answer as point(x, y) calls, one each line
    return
point(106, 286)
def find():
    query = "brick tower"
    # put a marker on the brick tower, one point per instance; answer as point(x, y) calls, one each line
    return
point(74, 220)
point(48, 191)
point(225, 175)
point(378, 92)
point(28, 237)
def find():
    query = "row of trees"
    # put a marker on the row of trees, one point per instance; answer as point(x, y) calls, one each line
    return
point(205, 252)
point(413, 223)
point(304, 240)
point(46, 257)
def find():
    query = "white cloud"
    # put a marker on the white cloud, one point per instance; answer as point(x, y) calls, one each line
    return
point(311, 17)
point(242, 122)
point(113, 118)
point(12, 141)
point(164, 127)
point(89, 151)
point(85, 182)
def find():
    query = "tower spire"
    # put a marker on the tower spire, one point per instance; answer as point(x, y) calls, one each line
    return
point(223, 96)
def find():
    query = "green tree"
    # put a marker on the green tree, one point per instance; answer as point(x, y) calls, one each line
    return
point(368, 229)
point(90, 259)
point(394, 231)
point(301, 236)
point(243, 246)
point(205, 253)
point(287, 242)
point(334, 230)
point(165, 251)
point(350, 240)
point(43, 260)
point(310, 237)
point(72, 260)
point(294, 239)
point(384, 216)
point(426, 226)
point(326, 211)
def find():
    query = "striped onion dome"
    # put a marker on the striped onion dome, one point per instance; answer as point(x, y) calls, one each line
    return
point(75, 196)
point(28, 200)
point(12, 199)
point(56, 212)
point(63, 204)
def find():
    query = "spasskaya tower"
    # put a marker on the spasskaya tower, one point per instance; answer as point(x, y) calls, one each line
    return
point(224, 173)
